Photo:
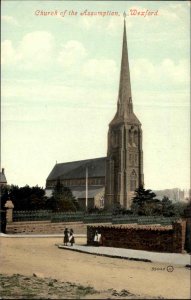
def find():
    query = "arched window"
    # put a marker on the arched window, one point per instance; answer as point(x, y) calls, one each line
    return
point(133, 181)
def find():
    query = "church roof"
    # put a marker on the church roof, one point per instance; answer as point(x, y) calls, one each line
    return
point(77, 169)
point(79, 192)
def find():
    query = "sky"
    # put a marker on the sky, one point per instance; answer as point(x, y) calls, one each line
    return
point(60, 78)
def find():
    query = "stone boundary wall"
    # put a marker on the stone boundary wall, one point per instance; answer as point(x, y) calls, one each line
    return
point(170, 239)
point(44, 227)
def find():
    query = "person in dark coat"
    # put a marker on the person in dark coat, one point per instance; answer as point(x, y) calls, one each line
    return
point(66, 237)
point(71, 237)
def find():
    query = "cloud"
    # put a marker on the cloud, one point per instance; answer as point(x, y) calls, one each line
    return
point(100, 69)
point(91, 22)
point(167, 73)
point(71, 53)
point(111, 25)
point(34, 50)
point(10, 20)
point(47, 101)
point(9, 55)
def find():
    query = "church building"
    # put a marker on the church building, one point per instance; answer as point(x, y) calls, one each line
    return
point(111, 180)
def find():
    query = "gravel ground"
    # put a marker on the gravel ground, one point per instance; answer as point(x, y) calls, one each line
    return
point(32, 287)
point(64, 274)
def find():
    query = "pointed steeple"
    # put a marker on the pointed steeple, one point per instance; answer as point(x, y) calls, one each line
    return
point(125, 106)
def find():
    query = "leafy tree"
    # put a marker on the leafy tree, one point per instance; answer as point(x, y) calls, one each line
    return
point(167, 207)
point(179, 209)
point(27, 198)
point(4, 196)
point(62, 199)
point(119, 210)
point(144, 203)
point(153, 207)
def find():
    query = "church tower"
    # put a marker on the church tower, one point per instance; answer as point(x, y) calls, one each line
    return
point(124, 165)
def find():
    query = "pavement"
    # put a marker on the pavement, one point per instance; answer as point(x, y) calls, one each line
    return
point(138, 255)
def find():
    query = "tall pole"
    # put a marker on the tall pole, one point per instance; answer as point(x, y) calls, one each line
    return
point(86, 189)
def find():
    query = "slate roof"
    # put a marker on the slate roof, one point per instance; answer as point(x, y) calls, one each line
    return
point(79, 192)
point(77, 169)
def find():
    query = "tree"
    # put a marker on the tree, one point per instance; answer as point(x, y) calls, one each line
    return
point(144, 203)
point(62, 199)
point(179, 209)
point(27, 198)
point(153, 207)
point(167, 207)
point(4, 196)
point(119, 210)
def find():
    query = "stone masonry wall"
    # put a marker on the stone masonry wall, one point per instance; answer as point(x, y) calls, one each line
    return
point(44, 227)
point(141, 237)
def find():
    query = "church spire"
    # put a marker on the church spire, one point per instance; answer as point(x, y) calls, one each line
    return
point(125, 106)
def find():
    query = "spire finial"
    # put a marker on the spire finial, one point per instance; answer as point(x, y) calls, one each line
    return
point(124, 15)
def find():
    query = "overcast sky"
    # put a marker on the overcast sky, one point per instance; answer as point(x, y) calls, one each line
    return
point(60, 78)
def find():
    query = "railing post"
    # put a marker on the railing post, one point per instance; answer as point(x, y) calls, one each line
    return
point(9, 212)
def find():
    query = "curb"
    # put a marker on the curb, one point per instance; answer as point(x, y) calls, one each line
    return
point(187, 266)
point(106, 255)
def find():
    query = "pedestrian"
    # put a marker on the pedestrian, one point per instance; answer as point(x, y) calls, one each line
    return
point(71, 237)
point(66, 237)
point(97, 238)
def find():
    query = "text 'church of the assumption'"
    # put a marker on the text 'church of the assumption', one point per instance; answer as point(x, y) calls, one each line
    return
point(112, 179)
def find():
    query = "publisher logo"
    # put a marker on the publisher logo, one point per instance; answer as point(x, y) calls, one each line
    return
point(170, 269)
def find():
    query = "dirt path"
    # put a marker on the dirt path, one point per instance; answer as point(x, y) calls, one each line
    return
point(40, 256)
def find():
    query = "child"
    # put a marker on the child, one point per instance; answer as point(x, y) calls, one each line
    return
point(71, 237)
point(66, 240)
